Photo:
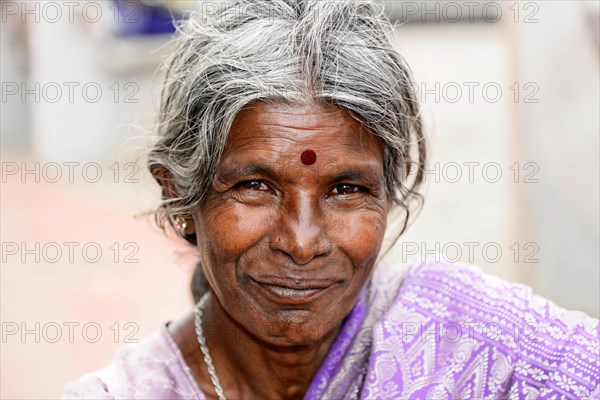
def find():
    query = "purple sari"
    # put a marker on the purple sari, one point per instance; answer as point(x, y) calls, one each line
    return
point(428, 331)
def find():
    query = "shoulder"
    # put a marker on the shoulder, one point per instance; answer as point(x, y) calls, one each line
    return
point(459, 290)
point(152, 368)
point(472, 320)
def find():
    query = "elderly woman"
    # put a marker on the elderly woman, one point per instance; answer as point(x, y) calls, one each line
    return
point(286, 129)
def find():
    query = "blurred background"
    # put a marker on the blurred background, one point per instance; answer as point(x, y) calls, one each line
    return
point(510, 94)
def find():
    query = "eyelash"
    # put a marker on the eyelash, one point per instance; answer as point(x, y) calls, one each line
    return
point(354, 189)
point(246, 184)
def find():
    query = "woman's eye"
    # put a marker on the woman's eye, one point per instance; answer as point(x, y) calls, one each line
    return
point(345, 189)
point(253, 185)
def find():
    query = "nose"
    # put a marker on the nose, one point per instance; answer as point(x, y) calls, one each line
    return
point(300, 232)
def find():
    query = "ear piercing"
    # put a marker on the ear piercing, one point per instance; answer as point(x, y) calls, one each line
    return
point(180, 224)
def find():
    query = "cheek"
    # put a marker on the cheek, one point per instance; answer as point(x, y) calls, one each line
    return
point(359, 235)
point(228, 230)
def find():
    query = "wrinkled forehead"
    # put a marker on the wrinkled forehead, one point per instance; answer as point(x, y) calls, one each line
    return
point(289, 127)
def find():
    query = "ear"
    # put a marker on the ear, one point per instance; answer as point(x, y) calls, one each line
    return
point(165, 179)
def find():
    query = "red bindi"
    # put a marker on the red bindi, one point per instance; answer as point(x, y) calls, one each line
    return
point(308, 157)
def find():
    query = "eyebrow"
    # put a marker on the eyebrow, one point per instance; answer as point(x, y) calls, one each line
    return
point(360, 175)
point(352, 173)
point(236, 171)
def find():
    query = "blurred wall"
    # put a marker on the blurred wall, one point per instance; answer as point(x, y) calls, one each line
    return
point(560, 133)
point(97, 103)
point(511, 109)
point(14, 121)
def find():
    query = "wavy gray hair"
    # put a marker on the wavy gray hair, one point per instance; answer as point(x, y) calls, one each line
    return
point(296, 51)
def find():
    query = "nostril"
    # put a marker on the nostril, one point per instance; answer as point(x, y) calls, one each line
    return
point(299, 253)
point(300, 233)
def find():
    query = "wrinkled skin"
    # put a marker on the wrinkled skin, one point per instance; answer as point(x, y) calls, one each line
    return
point(286, 247)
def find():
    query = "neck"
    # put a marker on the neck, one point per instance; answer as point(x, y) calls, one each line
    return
point(248, 367)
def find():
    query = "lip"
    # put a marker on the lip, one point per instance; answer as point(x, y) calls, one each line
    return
point(292, 291)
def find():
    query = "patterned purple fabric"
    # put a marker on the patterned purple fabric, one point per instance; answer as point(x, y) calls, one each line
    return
point(428, 331)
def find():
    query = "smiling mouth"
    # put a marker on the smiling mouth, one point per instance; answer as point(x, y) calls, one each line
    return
point(293, 293)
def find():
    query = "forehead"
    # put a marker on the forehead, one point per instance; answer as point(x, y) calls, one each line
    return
point(285, 128)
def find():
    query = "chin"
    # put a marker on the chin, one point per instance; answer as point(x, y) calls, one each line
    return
point(286, 333)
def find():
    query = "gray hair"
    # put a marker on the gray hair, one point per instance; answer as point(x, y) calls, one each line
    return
point(296, 51)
